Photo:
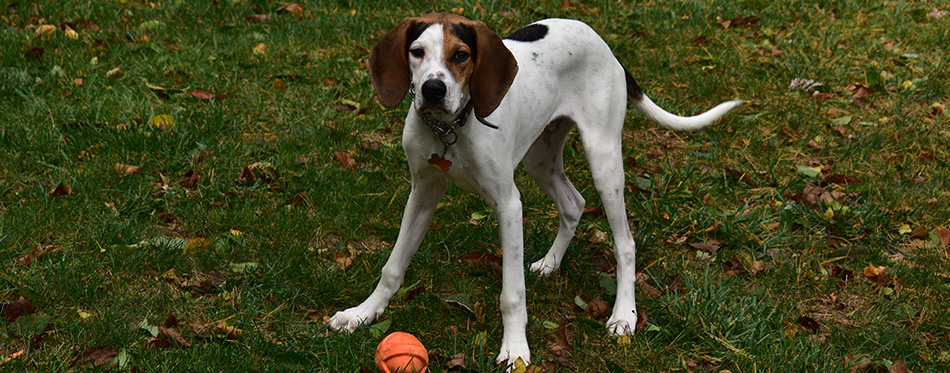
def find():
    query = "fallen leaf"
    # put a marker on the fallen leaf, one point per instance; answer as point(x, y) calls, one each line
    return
point(61, 190)
point(70, 33)
point(943, 235)
point(841, 273)
point(34, 53)
point(480, 258)
point(705, 247)
point(162, 121)
point(293, 8)
point(899, 367)
point(228, 331)
point(561, 340)
point(596, 308)
point(260, 49)
point(877, 275)
point(35, 254)
point(202, 95)
point(840, 180)
point(126, 170)
point(457, 362)
point(642, 321)
point(17, 308)
point(342, 260)
point(174, 335)
point(809, 323)
point(344, 160)
point(43, 30)
point(331, 81)
point(257, 18)
point(344, 107)
point(95, 357)
point(738, 22)
point(858, 91)
point(13, 356)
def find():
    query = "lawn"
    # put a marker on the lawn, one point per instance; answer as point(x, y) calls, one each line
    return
point(198, 186)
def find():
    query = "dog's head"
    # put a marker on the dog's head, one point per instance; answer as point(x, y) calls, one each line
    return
point(447, 58)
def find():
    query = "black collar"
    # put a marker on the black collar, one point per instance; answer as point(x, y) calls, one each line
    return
point(443, 129)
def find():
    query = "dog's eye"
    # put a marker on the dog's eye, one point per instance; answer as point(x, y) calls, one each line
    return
point(461, 56)
point(417, 52)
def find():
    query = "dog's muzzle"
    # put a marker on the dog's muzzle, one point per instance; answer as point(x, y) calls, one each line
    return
point(433, 96)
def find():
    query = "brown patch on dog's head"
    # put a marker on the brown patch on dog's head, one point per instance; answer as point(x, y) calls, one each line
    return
point(473, 54)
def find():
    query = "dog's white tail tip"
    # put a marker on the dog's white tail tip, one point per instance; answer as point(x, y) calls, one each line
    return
point(678, 123)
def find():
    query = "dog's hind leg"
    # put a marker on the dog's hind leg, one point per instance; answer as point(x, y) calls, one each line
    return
point(544, 163)
point(600, 132)
point(423, 199)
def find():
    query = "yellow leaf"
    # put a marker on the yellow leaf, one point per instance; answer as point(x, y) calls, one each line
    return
point(43, 30)
point(70, 33)
point(624, 340)
point(162, 122)
point(197, 244)
point(260, 49)
point(520, 366)
point(904, 229)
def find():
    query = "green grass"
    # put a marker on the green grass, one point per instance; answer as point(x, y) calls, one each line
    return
point(267, 256)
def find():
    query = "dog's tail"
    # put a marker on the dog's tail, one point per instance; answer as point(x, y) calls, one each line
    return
point(666, 119)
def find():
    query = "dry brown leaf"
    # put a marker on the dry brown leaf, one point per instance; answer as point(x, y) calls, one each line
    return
point(943, 234)
point(705, 247)
point(126, 170)
point(877, 275)
point(650, 290)
point(344, 160)
point(17, 308)
point(480, 258)
point(293, 8)
point(61, 190)
point(561, 340)
point(15, 355)
point(342, 260)
point(858, 91)
point(173, 334)
point(596, 308)
point(456, 362)
point(95, 357)
point(899, 367)
point(257, 18)
point(202, 95)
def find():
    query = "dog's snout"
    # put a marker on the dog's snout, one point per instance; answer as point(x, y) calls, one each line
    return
point(433, 90)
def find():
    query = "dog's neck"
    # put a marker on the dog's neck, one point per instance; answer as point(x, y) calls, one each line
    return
point(443, 129)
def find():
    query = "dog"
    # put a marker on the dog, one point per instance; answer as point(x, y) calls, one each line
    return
point(480, 105)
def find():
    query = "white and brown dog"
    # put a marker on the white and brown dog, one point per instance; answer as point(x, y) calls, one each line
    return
point(527, 92)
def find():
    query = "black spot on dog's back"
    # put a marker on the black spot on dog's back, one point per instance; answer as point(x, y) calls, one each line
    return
point(529, 33)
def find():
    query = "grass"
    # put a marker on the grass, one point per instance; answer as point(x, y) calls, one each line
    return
point(246, 261)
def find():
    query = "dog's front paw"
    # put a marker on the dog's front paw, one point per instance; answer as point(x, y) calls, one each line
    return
point(350, 319)
point(511, 352)
point(622, 322)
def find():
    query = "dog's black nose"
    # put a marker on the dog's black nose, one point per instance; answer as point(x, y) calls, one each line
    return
point(433, 90)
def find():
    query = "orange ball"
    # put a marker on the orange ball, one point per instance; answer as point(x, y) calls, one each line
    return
point(401, 353)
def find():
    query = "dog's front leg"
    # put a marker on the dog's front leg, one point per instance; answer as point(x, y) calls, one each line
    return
point(514, 312)
point(423, 199)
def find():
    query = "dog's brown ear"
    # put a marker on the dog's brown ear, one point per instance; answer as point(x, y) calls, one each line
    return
point(495, 69)
point(389, 65)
